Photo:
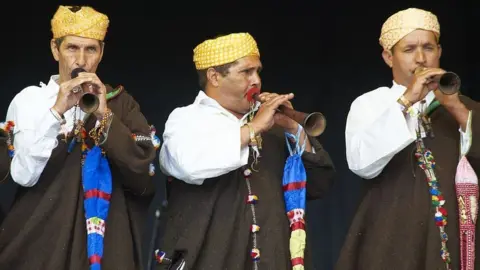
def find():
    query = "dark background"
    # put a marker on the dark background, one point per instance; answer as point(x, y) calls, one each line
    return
point(326, 52)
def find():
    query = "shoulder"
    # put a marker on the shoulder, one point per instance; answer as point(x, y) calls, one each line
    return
point(27, 101)
point(27, 94)
point(374, 95)
point(191, 111)
point(25, 106)
point(120, 99)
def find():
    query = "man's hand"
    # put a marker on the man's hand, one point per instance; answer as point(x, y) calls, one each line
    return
point(88, 83)
point(267, 114)
point(422, 83)
point(66, 97)
point(96, 87)
point(280, 119)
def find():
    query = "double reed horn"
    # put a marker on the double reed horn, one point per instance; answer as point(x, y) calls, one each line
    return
point(89, 102)
point(313, 123)
point(448, 83)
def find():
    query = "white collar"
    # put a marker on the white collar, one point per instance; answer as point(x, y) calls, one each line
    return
point(203, 99)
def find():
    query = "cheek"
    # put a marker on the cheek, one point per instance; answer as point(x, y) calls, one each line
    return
point(405, 63)
point(433, 58)
point(93, 61)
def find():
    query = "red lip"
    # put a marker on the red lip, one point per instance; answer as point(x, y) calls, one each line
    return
point(251, 92)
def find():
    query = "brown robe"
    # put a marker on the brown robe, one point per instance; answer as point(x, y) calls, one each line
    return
point(394, 226)
point(212, 221)
point(45, 229)
point(5, 182)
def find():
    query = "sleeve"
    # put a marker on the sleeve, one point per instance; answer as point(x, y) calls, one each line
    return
point(320, 170)
point(471, 146)
point(466, 137)
point(34, 140)
point(198, 145)
point(131, 157)
point(376, 130)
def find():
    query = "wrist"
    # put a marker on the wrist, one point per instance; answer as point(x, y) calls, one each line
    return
point(60, 118)
point(59, 110)
point(256, 129)
point(408, 98)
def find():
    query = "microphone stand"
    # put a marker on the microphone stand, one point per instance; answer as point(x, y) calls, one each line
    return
point(156, 224)
point(153, 240)
point(176, 260)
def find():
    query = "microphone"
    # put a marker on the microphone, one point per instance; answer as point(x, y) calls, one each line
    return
point(88, 102)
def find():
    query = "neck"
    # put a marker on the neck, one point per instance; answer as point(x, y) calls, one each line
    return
point(214, 95)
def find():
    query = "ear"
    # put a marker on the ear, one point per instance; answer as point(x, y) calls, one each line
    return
point(439, 51)
point(388, 57)
point(55, 50)
point(213, 77)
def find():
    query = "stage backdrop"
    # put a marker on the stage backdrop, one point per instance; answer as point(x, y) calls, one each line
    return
point(326, 52)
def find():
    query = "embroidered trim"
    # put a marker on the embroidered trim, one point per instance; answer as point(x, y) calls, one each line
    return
point(426, 162)
point(7, 128)
point(252, 200)
point(114, 93)
point(152, 138)
point(96, 225)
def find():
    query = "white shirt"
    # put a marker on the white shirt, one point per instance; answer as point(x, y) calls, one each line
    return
point(36, 130)
point(201, 141)
point(377, 130)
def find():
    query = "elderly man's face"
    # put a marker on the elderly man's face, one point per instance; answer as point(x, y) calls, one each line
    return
point(77, 52)
point(241, 77)
point(417, 49)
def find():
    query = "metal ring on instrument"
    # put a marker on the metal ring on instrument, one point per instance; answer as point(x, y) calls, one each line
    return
point(77, 89)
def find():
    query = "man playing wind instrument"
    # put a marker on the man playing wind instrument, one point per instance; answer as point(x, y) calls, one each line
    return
point(84, 179)
point(416, 148)
point(226, 155)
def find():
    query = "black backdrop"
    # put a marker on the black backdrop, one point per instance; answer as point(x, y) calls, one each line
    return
point(325, 52)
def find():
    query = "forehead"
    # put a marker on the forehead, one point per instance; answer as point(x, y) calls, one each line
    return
point(81, 41)
point(251, 61)
point(418, 37)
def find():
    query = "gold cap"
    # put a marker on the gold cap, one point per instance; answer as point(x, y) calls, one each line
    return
point(85, 22)
point(223, 50)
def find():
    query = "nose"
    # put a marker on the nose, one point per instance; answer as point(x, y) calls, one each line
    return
point(420, 56)
point(256, 81)
point(81, 59)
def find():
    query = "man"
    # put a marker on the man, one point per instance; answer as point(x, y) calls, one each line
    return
point(77, 208)
point(406, 141)
point(226, 206)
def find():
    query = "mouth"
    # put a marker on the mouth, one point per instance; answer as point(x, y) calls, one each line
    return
point(418, 69)
point(251, 93)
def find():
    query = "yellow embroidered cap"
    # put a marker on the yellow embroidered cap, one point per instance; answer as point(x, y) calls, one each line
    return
point(223, 50)
point(406, 21)
point(83, 22)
